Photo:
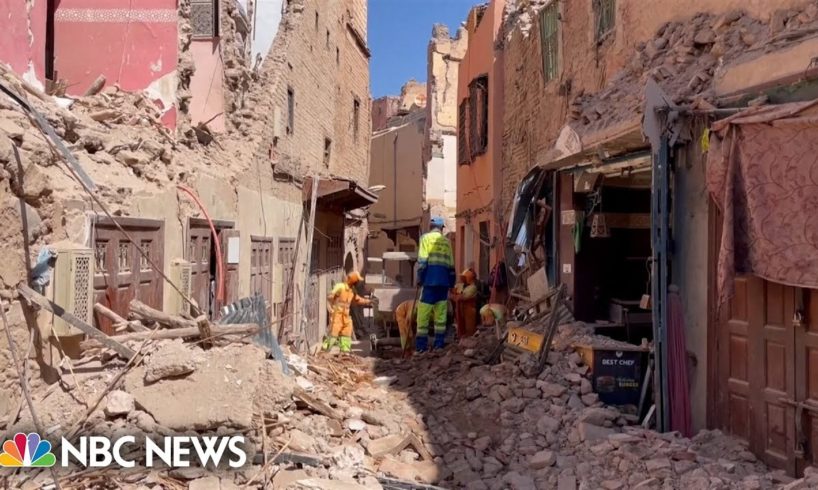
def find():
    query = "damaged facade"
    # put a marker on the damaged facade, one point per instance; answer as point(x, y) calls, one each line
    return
point(479, 143)
point(607, 110)
point(255, 140)
point(440, 147)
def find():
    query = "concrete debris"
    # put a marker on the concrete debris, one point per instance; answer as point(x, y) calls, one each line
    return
point(517, 433)
point(173, 359)
point(215, 395)
point(119, 403)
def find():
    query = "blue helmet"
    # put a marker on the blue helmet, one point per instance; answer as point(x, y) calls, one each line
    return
point(437, 222)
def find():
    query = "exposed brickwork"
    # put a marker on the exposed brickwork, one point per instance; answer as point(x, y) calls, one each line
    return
point(535, 112)
point(327, 74)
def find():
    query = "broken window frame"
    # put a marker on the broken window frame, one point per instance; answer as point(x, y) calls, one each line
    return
point(549, 40)
point(463, 153)
point(290, 110)
point(479, 116)
point(605, 16)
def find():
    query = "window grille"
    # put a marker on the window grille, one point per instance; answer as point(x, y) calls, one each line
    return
point(549, 34)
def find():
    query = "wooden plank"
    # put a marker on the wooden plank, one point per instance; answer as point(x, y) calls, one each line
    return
point(157, 316)
point(178, 333)
point(58, 310)
point(118, 320)
point(316, 405)
point(205, 332)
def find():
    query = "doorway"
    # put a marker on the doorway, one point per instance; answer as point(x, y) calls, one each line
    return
point(612, 246)
point(201, 253)
point(121, 272)
point(764, 345)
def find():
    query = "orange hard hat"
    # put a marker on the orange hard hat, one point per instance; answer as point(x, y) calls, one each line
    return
point(354, 277)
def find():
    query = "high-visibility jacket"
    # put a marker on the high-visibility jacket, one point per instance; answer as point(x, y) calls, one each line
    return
point(435, 261)
point(342, 297)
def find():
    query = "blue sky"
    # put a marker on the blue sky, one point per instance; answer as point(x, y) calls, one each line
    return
point(399, 32)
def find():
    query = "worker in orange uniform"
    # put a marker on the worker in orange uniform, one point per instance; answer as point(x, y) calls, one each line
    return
point(465, 304)
point(405, 315)
point(342, 297)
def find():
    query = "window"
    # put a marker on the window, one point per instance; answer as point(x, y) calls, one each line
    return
point(327, 151)
point(290, 110)
point(463, 157)
point(356, 116)
point(605, 13)
point(549, 34)
point(478, 116)
point(204, 19)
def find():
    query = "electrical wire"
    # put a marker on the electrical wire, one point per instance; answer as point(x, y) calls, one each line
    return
point(216, 242)
point(93, 196)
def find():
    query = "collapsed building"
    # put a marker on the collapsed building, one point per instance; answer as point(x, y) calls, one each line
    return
point(233, 165)
point(626, 178)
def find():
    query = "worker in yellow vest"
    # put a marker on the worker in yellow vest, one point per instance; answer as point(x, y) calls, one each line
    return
point(436, 277)
point(342, 297)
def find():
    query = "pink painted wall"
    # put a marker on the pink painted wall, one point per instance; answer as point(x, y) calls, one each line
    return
point(478, 183)
point(17, 49)
point(206, 85)
point(133, 44)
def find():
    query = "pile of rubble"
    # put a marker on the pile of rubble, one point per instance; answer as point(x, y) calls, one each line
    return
point(683, 57)
point(442, 418)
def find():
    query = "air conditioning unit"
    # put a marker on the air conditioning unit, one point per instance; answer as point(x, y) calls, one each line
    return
point(278, 284)
point(72, 287)
point(181, 275)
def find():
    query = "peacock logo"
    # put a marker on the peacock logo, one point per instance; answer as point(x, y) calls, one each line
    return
point(27, 451)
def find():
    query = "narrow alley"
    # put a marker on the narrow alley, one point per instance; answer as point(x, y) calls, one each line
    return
point(409, 244)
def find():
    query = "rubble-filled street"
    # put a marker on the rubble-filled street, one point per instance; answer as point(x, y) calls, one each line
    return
point(347, 422)
point(409, 244)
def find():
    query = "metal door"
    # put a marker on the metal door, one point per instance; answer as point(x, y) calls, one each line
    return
point(121, 273)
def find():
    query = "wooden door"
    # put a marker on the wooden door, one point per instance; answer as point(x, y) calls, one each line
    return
point(122, 273)
point(261, 267)
point(229, 241)
point(763, 366)
point(806, 371)
point(772, 368)
point(199, 255)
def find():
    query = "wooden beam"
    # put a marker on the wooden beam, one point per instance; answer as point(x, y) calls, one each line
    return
point(148, 313)
point(205, 332)
point(38, 299)
point(178, 333)
point(118, 320)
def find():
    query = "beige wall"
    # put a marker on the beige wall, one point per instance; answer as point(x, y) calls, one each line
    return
point(396, 162)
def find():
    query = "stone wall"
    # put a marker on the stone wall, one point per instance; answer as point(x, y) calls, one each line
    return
point(536, 111)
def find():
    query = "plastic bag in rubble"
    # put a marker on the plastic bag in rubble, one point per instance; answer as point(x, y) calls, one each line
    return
point(41, 272)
